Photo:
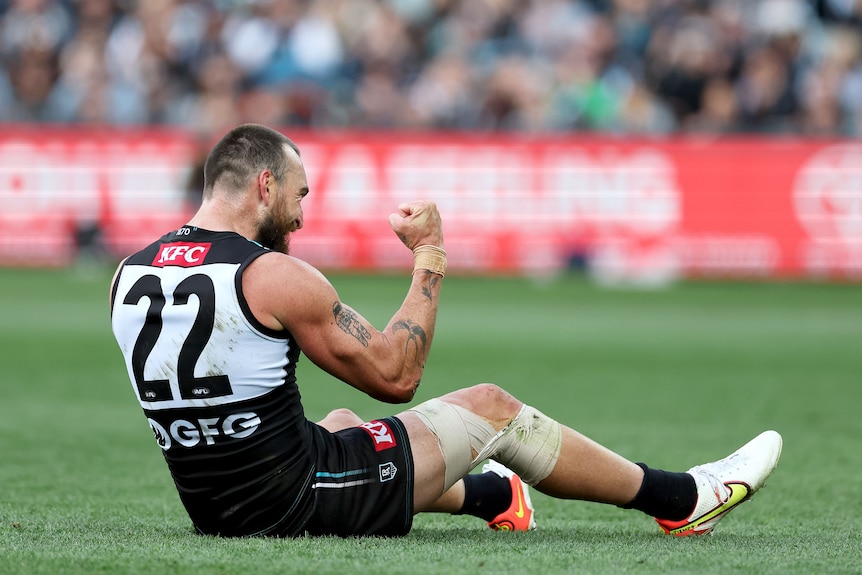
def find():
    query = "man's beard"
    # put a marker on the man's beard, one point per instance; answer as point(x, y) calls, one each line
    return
point(271, 235)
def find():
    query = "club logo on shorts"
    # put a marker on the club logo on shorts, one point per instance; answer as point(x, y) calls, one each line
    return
point(387, 471)
point(183, 254)
point(381, 434)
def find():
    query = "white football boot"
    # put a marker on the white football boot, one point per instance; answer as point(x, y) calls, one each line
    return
point(722, 485)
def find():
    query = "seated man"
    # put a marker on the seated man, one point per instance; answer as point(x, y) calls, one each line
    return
point(211, 319)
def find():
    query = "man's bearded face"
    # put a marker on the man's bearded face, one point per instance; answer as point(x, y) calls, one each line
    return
point(272, 232)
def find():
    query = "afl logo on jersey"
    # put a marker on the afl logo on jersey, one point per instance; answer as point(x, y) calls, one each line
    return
point(183, 254)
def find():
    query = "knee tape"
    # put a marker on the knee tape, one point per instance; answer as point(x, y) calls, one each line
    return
point(530, 445)
point(461, 435)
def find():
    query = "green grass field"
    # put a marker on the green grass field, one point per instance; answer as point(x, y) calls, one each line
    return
point(672, 377)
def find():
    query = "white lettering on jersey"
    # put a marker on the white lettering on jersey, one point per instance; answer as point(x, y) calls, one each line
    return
point(181, 254)
point(190, 434)
point(381, 434)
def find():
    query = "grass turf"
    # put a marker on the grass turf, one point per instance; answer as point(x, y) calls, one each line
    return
point(672, 377)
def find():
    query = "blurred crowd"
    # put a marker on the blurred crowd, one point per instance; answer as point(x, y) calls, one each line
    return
point(606, 66)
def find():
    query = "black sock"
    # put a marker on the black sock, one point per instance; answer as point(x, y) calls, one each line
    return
point(665, 494)
point(486, 495)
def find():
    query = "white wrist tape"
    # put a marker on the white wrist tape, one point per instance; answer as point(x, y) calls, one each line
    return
point(530, 445)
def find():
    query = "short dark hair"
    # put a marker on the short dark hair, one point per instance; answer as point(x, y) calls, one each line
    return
point(243, 153)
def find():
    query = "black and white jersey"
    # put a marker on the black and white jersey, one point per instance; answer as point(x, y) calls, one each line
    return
point(218, 388)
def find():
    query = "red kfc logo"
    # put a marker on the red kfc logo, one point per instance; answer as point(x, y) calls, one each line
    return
point(381, 434)
point(181, 254)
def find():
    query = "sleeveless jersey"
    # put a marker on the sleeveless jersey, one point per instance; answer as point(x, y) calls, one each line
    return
point(218, 388)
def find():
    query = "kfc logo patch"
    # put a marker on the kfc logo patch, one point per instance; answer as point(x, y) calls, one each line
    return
point(181, 254)
point(381, 434)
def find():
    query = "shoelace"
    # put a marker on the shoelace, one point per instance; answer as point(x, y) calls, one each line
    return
point(717, 485)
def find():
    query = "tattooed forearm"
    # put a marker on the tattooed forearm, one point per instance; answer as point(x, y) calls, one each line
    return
point(350, 324)
point(416, 338)
point(432, 280)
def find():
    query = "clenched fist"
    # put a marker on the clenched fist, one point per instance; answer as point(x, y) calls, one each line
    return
point(418, 223)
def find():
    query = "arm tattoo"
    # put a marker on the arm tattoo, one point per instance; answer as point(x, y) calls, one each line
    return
point(416, 338)
point(350, 324)
point(433, 280)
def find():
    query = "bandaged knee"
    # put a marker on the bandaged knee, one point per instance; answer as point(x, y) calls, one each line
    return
point(529, 445)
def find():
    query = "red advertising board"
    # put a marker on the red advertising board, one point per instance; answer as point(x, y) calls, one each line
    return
point(634, 210)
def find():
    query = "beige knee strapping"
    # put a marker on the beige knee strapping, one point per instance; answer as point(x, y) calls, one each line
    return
point(530, 445)
point(461, 435)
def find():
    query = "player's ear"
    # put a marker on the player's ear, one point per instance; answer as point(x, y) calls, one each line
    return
point(265, 182)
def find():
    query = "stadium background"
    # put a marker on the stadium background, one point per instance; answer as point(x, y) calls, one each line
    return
point(641, 140)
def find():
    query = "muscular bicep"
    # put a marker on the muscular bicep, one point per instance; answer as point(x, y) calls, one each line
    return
point(351, 323)
point(343, 343)
point(335, 337)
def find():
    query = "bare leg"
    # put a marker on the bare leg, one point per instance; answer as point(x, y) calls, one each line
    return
point(339, 419)
point(450, 502)
point(428, 468)
point(590, 472)
point(585, 470)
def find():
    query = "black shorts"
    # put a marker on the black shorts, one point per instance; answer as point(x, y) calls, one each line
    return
point(364, 481)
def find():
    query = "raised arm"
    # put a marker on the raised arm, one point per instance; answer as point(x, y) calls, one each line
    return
point(386, 364)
